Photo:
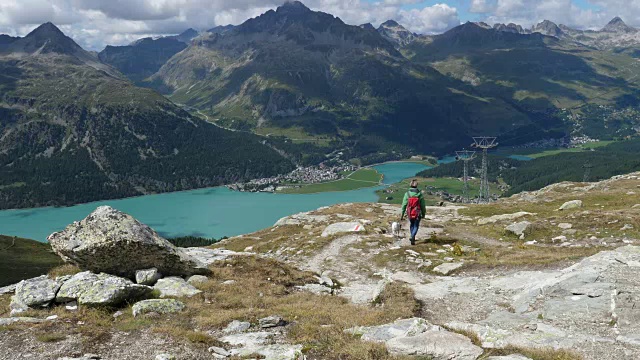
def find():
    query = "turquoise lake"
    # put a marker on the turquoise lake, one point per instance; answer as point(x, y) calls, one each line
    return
point(213, 212)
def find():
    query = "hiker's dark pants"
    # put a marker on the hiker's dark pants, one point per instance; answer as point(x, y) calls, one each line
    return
point(415, 225)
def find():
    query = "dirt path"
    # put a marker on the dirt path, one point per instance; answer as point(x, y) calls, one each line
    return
point(333, 250)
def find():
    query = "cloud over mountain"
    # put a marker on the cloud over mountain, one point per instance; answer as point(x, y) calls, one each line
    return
point(95, 23)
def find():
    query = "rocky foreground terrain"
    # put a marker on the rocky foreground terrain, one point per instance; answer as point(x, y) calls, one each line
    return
point(551, 274)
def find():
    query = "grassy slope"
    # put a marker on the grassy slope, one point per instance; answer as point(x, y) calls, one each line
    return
point(450, 185)
point(536, 153)
point(24, 259)
point(360, 179)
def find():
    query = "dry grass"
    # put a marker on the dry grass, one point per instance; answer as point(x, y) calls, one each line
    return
point(63, 270)
point(535, 354)
point(50, 337)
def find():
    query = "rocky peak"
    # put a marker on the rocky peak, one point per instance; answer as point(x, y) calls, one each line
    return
point(391, 23)
point(293, 7)
point(367, 26)
point(396, 33)
point(187, 35)
point(221, 29)
point(617, 25)
point(45, 39)
point(547, 27)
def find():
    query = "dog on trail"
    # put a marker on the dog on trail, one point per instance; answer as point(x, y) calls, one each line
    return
point(395, 228)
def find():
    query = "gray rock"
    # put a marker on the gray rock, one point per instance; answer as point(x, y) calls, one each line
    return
point(196, 280)
point(83, 357)
point(271, 321)
point(148, 276)
point(236, 326)
point(8, 289)
point(222, 353)
point(16, 306)
point(160, 306)
point(447, 268)
point(565, 226)
point(165, 357)
point(574, 204)
point(175, 287)
point(439, 345)
point(509, 357)
point(342, 227)
point(111, 290)
point(315, 289)
point(520, 229)
point(14, 320)
point(37, 291)
point(259, 343)
point(92, 289)
point(115, 243)
point(399, 328)
point(503, 217)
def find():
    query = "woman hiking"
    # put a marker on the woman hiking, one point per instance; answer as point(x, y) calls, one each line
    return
point(414, 207)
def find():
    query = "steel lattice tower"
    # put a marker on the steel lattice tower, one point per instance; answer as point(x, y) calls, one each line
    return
point(465, 156)
point(484, 143)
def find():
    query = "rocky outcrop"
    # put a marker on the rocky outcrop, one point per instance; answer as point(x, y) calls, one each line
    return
point(520, 229)
point(416, 337)
point(342, 227)
point(503, 217)
point(100, 290)
point(160, 306)
point(113, 242)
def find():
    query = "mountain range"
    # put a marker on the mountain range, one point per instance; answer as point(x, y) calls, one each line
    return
point(293, 84)
point(74, 129)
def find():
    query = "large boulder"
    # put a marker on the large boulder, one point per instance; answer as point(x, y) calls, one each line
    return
point(101, 290)
point(113, 242)
point(37, 291)
point(520, 229)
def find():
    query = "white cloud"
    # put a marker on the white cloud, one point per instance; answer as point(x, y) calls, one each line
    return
point(431, 19)
point(481, 6)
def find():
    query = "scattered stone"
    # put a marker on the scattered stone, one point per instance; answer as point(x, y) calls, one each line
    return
point(324, 279)
point(236, 327)
point(316, 289)
point(117, 314)
point(509, 357)
point(569, 205)
point(148, 276)
point(520, 229)
point(16, 306)
point(83, 357)
point(220, 352)
point(165, 357)
point(115, 243)
point(447, 268)
point(560, 238)
point(504, 217)
point(160, 306)
point(229, 282)
point(72, 306)
point(51, 317)
point(439, 345)
point(37, 291)
point(565, 226)
point(626, 227)
point(271, 321)
point(196, 280)
point(175, 287)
